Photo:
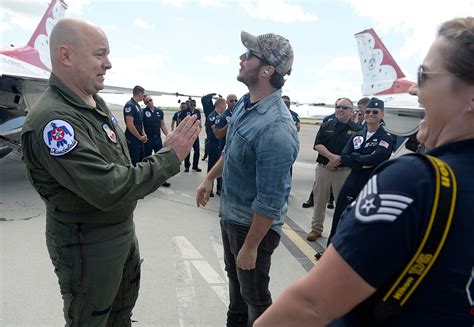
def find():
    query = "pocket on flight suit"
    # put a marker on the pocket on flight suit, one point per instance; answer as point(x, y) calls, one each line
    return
point(65, 251)
point(130, 285)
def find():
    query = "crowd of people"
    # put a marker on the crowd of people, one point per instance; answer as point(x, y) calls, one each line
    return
point(399, 239)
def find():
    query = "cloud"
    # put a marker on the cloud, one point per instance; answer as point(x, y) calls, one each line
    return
point(202, 3)
point(217, 60)
point(27, 14)
point(341, 64)
point(74, 7)
point(277, 11)
point(412, 18)
point(3, 25)
point(142, 24)
point(211, 3)
point(127, 73)
point(175, 3)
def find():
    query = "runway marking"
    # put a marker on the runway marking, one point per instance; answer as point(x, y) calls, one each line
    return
point(186, 255)
point(301, 244)
point(219, 251)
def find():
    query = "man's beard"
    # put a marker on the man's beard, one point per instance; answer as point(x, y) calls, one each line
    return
point(250, 78)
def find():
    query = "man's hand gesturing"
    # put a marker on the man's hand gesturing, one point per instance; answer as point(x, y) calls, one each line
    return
point(181, 140)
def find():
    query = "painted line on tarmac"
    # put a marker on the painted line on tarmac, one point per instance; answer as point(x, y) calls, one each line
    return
point(297, 246)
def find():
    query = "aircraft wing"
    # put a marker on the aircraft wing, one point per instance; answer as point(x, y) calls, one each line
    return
point(126, 90)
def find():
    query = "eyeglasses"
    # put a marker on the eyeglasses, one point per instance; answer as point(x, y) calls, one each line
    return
point(423, 75)
point(373, 111)
point(343, 107)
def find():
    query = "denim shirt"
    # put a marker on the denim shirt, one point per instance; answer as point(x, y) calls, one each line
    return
point(261, 146)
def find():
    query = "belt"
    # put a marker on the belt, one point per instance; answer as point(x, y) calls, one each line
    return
point(337, 168)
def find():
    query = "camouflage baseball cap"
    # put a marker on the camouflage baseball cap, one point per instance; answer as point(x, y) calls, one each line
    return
point(275, 49)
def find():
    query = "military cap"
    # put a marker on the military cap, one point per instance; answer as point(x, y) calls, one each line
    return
point(376, 103)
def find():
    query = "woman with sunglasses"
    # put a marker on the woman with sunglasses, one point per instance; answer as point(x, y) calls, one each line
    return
point(381, 241)
point(368, 148)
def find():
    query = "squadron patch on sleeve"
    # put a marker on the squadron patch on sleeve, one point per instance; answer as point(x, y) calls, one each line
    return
point(148, 114)
point(59, 137)
point(357, 141)
point(127, 109)
point(372, 206)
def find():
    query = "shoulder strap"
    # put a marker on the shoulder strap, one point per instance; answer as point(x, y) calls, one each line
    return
point(431, 245)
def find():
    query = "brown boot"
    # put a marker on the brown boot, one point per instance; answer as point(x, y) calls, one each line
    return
point(313, 235)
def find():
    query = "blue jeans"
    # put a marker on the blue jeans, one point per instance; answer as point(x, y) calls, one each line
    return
point(248, 289)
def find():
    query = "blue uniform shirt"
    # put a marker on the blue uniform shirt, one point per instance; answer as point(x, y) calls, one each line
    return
point(133, 109)
point(211, 138)
point(361, 152)
point(152, 121)
point(383, 229)
point(183, 113)
point(221, 121)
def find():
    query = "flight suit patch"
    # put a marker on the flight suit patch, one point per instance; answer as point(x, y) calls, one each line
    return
point(357, 141)
point(110, 133)
point(58, 135)
point(113, 119)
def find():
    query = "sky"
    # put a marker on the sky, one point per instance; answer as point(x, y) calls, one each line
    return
point(193, 46)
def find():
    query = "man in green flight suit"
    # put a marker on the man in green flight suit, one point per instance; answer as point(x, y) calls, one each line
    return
point(77, 159)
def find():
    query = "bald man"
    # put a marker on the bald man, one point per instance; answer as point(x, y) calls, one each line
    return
point(77, 159)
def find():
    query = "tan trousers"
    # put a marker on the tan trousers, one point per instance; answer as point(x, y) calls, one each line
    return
point(324, 181)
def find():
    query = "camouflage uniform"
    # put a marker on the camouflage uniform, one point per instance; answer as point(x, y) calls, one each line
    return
point(77, 160)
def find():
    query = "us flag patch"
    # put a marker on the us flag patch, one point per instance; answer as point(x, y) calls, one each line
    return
point(384, 144)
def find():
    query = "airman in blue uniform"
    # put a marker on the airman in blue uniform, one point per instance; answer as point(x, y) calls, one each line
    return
point(368, 148)
point(153, 124)
point(134, 132)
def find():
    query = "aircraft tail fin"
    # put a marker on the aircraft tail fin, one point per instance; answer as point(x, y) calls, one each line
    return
point(40, 38)
point(381, 74)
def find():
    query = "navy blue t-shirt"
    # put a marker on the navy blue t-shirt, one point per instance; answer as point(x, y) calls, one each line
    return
point(210, 121)
point(221, 121)
point(183, 113)
point(383, 229)
point(152, 121)
point(133, 109)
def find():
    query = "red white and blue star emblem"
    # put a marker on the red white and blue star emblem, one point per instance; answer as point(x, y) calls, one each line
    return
point(58, 135)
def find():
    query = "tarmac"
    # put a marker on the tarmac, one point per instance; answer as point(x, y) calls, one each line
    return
point(183, 279)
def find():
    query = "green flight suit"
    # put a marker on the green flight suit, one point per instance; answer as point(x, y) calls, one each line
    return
point(77, 159)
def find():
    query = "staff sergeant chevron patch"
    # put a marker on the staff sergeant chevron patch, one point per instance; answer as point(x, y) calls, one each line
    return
point(372, 206)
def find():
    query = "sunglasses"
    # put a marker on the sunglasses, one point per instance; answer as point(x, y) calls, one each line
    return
point(343, 107)
point(233, 100)
point(373, 112)
point(422, 75)
point(249, 54)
